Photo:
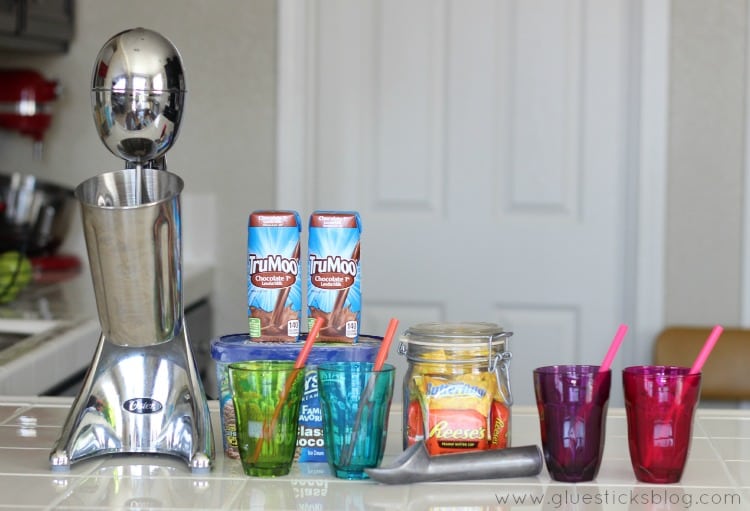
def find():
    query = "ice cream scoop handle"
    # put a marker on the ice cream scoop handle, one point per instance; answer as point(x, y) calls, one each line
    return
point(521, 461)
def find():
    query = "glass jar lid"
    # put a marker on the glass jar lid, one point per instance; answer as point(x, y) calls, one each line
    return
point(456, 335)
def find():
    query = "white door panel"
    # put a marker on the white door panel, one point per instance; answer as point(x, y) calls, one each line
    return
point(485, 145)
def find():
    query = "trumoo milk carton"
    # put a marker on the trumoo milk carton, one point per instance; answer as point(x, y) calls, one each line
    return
point(334, 271)
point(274, 285)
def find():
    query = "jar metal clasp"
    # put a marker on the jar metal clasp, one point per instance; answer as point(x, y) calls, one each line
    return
point(503, 359)
point(402, 348)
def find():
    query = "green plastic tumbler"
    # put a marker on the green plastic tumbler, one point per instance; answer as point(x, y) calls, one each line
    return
point(267, 396)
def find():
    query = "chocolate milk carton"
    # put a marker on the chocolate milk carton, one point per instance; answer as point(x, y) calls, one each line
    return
point(274, 285)
point(333, 285)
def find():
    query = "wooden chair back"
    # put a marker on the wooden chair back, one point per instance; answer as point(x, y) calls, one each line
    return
point(726, 374)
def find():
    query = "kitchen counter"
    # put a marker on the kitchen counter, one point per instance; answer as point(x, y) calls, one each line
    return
point(63, 329)
point(717, 475)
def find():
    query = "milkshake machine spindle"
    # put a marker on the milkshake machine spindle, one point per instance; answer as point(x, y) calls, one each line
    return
point(142, 393)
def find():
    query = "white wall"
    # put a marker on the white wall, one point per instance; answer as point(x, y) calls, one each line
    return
point(226, 144)
point(706, 162)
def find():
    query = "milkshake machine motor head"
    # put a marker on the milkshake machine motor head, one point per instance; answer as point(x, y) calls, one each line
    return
point(138, 96)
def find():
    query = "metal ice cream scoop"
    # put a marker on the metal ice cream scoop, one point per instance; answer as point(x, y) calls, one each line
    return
point(415, 465)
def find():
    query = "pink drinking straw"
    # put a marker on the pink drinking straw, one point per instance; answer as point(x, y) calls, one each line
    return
point(299, 364)
point(613, 347)
point(699, 361)
point(706, 350)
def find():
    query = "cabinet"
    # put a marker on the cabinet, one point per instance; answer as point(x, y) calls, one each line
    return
point(40, 26)
point(8, 17)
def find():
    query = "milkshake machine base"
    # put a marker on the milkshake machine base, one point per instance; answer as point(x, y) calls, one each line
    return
point(161, 411)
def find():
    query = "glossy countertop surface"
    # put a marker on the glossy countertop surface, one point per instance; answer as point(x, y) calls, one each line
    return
point(717, 475)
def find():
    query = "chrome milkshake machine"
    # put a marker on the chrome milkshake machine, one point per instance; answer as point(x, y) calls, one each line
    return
point(142, 393)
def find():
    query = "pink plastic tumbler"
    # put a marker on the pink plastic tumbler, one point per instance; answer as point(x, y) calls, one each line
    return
point(659, 403)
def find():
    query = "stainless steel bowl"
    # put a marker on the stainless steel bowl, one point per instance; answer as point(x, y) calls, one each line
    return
point(34, 215)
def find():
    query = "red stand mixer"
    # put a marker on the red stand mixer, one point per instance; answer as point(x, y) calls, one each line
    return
point(26, 100)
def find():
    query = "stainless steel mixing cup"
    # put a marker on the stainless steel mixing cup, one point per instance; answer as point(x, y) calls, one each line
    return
point(131, 221)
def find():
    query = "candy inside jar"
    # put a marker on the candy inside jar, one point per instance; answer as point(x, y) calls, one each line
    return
point(457, 387)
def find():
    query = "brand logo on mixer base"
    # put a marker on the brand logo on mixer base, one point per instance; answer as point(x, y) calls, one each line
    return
point(142, 405)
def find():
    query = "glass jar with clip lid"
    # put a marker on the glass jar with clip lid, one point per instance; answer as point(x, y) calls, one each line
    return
point(456, 388)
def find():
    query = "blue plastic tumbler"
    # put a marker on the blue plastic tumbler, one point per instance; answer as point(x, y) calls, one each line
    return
point(355, 402)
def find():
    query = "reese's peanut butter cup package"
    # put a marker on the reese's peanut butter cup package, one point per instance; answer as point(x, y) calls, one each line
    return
point(274, 285)
point(460, 413)
point(333, 286)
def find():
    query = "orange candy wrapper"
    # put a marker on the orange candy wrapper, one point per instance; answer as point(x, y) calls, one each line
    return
point(461, 413)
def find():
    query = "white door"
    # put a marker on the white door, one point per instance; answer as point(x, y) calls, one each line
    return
point(488, 147)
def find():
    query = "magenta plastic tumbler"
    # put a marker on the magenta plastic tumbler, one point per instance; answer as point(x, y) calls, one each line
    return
point(659, 403)
point(572, 402)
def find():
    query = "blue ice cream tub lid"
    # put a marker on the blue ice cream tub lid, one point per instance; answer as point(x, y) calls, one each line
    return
point(239, 348)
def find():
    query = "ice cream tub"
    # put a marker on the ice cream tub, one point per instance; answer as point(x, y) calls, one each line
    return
point(240, 347)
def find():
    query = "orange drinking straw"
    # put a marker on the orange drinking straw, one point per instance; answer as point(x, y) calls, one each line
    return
point(364, 398)
point(299, 364)
point(305, 351)
point(385, 344)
